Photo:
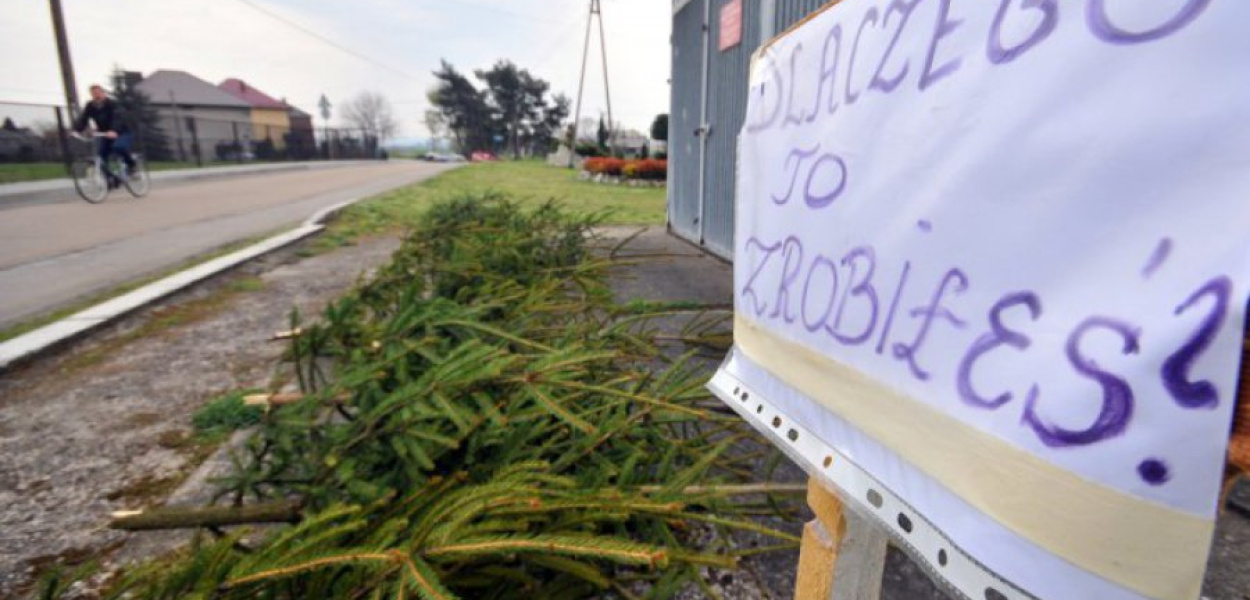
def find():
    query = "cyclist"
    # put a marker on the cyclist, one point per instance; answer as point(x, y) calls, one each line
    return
point(117, 136)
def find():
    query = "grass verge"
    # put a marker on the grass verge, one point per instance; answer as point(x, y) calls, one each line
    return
point(529, 183)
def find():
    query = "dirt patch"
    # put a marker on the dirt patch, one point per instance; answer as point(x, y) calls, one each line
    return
point(105, 424)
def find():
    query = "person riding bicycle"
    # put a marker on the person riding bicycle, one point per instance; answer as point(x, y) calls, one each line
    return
point(108, 120)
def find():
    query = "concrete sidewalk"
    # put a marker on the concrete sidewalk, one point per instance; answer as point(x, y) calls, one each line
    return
point(23, 193)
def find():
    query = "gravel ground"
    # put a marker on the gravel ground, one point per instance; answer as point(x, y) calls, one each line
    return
point(102, 425)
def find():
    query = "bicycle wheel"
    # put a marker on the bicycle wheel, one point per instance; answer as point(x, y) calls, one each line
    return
point(90, 181)
point(138, 183)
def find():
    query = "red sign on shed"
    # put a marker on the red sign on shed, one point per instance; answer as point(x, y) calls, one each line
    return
point(730, 25)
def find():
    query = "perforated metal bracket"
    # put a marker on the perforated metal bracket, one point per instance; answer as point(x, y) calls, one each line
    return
point(912, 532)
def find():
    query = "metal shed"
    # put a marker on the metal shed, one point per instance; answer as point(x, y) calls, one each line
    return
point(709, 103)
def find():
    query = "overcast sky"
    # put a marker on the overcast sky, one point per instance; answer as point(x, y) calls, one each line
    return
point(403, 41)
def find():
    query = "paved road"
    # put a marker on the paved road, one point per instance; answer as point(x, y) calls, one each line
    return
point(54, 254)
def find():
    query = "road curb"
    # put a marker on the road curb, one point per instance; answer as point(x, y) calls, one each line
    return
point(29, 345)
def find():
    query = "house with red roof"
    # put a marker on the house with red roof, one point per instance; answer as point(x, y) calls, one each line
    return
point(270, 117)
point(302, 144)
point(200, 119)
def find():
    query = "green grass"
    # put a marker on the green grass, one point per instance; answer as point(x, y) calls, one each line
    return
point(17, 172)
point(12, 173)
point(528, 182)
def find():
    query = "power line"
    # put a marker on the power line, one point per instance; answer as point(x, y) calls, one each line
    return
point(567, 29)
point(27, 90)
point(328, 41)
point(500, 11)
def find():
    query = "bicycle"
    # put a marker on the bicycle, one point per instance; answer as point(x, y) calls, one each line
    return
point(93, 179)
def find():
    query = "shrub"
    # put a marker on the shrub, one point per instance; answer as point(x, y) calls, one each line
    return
point(650, 169)
point(589, 150)
point(658, 168)
point(604, 166)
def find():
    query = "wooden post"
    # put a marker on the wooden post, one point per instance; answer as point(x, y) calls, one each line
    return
point(67, 156)
point(842, 555)
point(67, 62)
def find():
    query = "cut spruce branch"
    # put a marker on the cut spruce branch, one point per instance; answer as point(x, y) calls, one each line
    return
point(284, 399)
point(286, 335)
point(213, 516)
point(498, 425)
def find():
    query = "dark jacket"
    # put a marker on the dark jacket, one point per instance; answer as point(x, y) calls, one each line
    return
point(107, 116)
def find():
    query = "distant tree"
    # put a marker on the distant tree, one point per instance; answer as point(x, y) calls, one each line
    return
point(659, 128)
point(521, 109)
point(463, 108)
point(137, 112)
point(512, 103)
point(548, 126)
point(509, 101)
point(8, 125)
point(371, 113)
point(603, 135)
point(436, 124)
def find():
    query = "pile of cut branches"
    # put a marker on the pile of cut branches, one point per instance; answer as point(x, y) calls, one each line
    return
point(479, 421)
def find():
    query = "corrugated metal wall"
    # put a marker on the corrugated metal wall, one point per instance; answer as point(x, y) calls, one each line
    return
point(710, 223)
point(727, 109)
point(790, 12)
point(684, 115)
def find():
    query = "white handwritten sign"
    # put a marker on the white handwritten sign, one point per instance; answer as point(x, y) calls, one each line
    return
point(997, 255)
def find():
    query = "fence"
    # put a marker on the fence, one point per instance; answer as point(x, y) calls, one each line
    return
point(205, 140)
point(35, 140)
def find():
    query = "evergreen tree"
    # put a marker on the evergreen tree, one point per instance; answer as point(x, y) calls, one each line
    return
point(543, 138)
point(463, 108)
point(138, 113)
point(603, 135)
point(514, 104)
point(659, 128)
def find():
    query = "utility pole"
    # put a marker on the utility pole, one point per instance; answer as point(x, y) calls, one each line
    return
point(595, 11)
point(67, 63)
point(607, 92)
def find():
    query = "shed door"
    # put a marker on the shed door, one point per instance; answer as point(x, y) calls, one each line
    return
point(684, 144)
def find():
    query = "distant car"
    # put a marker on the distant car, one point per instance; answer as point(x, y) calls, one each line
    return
point(444, 157)
point(482, 156)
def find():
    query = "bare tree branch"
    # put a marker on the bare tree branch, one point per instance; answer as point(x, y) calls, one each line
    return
point(371, 113)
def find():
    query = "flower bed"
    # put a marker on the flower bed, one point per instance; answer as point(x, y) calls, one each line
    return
point(614, 169)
